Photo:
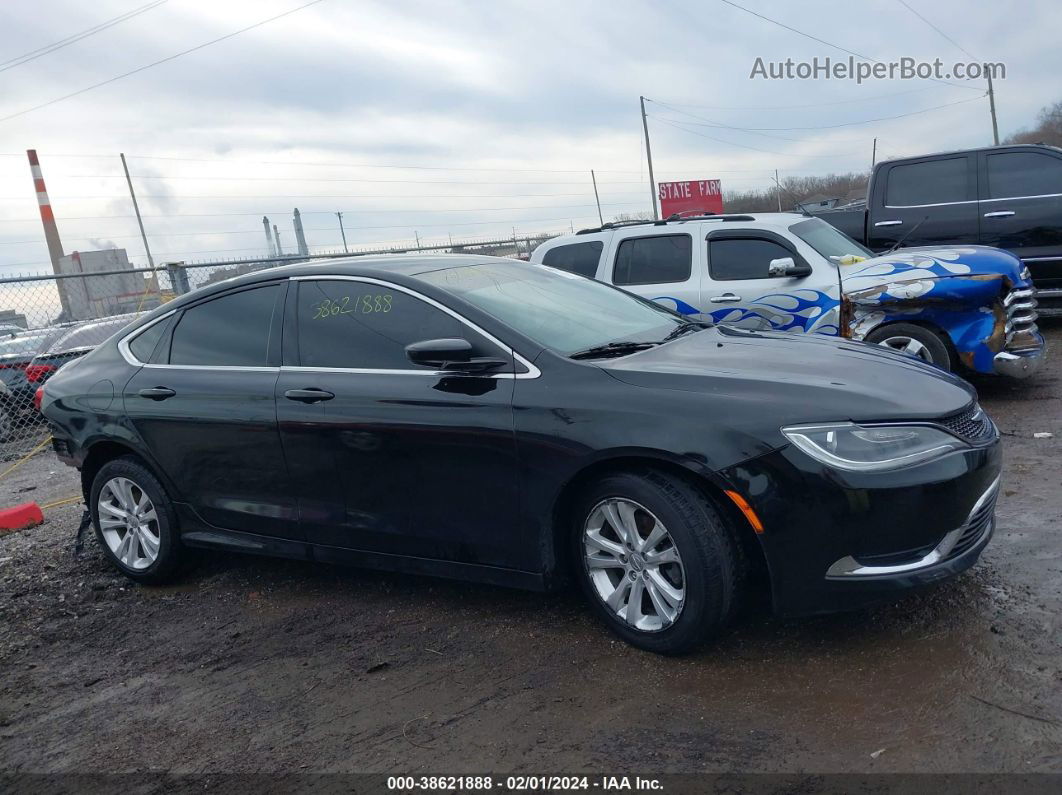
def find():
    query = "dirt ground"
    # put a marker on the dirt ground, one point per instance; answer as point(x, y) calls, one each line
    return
point(253, 664)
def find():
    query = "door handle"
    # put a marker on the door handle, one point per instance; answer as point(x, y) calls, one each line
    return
point(888, 223)
point(1000, 214)
point(308, 395)
point(157, 393)
point(725, 298)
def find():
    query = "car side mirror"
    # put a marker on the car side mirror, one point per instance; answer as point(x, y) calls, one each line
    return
point(453, 354)
point(787, 266)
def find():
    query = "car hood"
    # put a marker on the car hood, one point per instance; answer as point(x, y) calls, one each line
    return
point(925, 265)
point(795, 379)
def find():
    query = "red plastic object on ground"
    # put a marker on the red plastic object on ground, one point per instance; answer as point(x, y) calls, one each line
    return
point(20, 517)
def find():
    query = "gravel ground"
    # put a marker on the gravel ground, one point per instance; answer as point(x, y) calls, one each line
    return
point(252, 664)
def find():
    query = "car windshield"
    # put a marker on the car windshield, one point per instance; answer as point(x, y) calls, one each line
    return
point(89, 335)
point(26, 343)
point(561, 311)
point(829, 241)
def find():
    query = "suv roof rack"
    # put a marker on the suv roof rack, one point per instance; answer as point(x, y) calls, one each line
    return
point(674, 218)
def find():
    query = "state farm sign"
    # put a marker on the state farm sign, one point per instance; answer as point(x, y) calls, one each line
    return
point(690, 198)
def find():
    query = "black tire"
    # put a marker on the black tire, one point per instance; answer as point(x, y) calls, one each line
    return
point(937, 349)
point(712, 560)
point(171, 555)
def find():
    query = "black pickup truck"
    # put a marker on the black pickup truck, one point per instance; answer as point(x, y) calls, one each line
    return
point(1009, 197)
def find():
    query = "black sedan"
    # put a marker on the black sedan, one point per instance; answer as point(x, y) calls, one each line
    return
point(491, 420)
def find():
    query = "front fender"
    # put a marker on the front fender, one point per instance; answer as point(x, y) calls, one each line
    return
point(954, 290)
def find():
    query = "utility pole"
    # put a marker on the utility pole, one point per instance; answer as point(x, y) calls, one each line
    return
point(649, 158)
point(874, 154)
point(136, 209)
point(992, 109)
point(778, 192)
point(343, 233)
point(417, 236)
point(597, 198)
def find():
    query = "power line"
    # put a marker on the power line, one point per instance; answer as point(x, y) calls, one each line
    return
point(22, 155)
point(797, 107)
point(938, 30)
point(753, 130)
point(396, 209)
point(58, 45)
point(157, 63)
point(328, 179)
point(821, 41)
point(677, 126)
point(842, 124)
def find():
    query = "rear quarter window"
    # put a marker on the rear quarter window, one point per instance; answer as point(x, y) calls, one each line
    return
point(581, 258)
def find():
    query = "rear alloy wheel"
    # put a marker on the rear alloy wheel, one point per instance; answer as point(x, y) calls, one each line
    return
point(129, 523)
point(658, 562)
point(135, 523)
point(916, 341)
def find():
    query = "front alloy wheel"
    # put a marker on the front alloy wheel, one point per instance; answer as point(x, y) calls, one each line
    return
point(634, 564)
point(908, 345)
point(659, 563)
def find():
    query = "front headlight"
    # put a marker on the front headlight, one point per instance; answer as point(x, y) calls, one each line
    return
point(845, 445)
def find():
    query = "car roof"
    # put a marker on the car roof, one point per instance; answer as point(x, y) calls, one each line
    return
point(89, 333)
point(380, 265)
point(770, 221)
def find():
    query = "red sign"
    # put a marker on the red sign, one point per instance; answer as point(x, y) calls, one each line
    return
point(695, 197)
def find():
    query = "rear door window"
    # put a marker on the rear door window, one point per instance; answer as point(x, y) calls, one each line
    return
point(581, 258)
point(230, 331)
point(1017, 174)
point(932, 182)
point(661, 259)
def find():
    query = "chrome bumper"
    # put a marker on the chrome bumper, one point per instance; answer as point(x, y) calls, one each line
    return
point(1020, 364)
point(963, 538)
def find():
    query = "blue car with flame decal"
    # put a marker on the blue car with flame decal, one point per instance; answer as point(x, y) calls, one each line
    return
point(961, 307)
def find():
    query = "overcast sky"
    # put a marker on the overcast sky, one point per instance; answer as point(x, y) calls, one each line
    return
point(503, 106)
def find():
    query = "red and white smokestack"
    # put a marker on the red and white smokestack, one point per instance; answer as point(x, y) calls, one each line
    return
point(51, 231)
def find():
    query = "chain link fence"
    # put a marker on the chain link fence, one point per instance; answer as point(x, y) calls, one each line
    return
point(49, 320)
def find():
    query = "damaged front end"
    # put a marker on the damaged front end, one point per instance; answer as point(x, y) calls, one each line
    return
point(982, 298)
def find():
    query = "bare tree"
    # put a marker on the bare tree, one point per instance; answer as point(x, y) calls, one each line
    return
point(797, 189)
point(1048, 128)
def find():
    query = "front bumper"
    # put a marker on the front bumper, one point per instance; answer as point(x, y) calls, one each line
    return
point(979, 523)
point(1020, 364)
point(836, 541)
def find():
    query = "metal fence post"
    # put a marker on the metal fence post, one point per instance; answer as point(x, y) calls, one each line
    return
point(178, 277)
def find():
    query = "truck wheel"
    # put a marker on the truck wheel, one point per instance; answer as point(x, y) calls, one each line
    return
point(917, 341)
point(658, 563)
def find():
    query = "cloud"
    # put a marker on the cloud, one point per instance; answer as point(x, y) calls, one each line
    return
point(512, 86)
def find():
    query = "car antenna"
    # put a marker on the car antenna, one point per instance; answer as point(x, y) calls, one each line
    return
point(797, 202)
point(906, 235)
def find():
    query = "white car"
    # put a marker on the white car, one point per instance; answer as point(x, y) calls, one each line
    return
point(970, 306)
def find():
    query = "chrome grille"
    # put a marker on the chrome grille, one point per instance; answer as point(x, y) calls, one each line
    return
point(972, 424)
point(1020, 306)
point(976, 526)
